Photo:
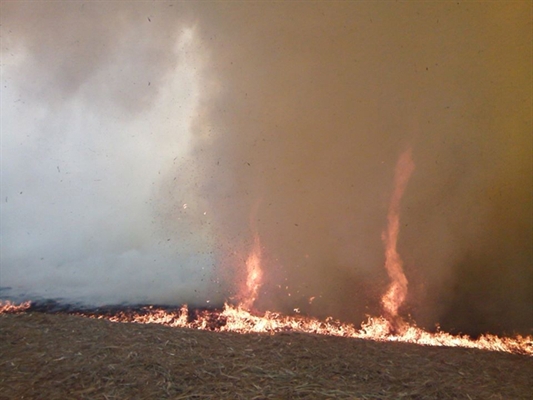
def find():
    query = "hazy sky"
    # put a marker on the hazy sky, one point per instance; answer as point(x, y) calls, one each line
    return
point(137, 139)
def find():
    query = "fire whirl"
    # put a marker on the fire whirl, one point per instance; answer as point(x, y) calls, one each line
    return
point(395, 295)
point(254, 276)
point(254, 273)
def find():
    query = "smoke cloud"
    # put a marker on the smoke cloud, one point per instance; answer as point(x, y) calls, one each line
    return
point(139, 140)
point(97, 107)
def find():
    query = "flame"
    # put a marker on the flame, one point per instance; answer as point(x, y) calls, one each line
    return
point(397, 291)
point(239, 320)
point(8, 307)
point(254, 276)
point(254, 273)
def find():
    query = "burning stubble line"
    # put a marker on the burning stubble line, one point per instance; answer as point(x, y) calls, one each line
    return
point(236, 319)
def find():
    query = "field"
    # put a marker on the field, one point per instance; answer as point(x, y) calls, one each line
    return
point(59, 356)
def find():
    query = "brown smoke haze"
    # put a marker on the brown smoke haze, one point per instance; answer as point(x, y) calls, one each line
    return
point(300, 111)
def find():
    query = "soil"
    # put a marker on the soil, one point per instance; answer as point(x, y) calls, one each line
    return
point(59, 356)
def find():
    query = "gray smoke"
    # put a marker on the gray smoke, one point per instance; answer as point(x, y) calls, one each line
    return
point(114, 116)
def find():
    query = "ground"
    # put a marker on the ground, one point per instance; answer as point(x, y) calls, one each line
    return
point(58, 356)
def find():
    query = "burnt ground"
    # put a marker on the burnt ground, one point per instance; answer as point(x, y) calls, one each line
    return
point(58, 356)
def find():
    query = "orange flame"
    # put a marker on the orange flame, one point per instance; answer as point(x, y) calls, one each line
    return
point(397, 291)
point(12, 308)
point(254, 276)
point(237, 319)
point(254, 273)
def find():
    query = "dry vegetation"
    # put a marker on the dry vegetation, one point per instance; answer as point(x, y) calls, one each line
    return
point(55, 356)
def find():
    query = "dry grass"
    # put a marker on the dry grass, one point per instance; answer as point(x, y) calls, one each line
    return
point(49, 356)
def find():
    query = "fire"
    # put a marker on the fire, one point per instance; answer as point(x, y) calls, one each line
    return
point(395, 295)
point(237, 319)
point(254, 273)
point(240, 319)
point(8, 307)
point(254, 276)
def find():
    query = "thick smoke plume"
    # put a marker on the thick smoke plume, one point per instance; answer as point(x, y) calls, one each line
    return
point(162, 112)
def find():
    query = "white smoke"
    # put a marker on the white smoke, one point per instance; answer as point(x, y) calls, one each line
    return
point(83, 215)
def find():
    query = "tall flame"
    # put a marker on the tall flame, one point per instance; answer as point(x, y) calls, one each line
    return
point(397, 291)
point(254, 275)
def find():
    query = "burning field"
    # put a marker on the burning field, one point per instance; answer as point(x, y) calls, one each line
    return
point(58, 356)
point(253, 200)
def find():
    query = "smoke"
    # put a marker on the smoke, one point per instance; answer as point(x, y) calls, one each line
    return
point(97, 106)
point(302, 107)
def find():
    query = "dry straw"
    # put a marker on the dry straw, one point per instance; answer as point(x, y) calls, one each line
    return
point(57, 356)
